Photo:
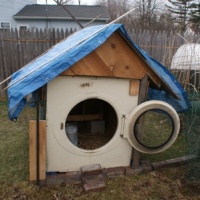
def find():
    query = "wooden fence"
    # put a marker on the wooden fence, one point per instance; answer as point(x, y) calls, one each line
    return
point(17, 48)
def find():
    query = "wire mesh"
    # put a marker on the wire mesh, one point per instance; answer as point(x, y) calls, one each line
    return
point(14, 140)
point(155, 130)
point(186, 67)
point(193, 138)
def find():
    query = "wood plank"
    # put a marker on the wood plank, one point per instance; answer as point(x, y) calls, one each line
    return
point(91, 65)
point(68, 72)
point(32, 150)
point(114, 58)
point(144, 85)
point(42, 153)
point(114, 52)
point(84, 117)
point(134, 87)
point(126, 62)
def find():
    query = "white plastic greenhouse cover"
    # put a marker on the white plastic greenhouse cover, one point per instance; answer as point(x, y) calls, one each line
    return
point(187, 57)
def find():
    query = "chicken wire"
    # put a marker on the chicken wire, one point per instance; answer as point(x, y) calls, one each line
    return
point(193, 138)
point(14, 140)
point(186, 68)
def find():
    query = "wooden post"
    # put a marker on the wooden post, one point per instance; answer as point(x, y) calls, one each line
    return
point(42, 150)
point(144, 84)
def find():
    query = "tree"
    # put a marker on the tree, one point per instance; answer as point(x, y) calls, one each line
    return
point(116, 8)
point(195, 13)
point(165, 22)
point(146, 13)
point(180, 10)
point(59, 2)
point(142, 17)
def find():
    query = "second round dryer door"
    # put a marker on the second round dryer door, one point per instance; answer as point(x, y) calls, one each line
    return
point(153, 126)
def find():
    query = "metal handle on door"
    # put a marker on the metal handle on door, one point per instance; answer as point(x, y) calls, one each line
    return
point(61, 126)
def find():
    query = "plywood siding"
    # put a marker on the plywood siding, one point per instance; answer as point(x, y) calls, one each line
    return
point(91, 65)
point(114, 58)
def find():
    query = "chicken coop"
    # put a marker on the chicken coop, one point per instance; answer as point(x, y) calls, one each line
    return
point(100, 100)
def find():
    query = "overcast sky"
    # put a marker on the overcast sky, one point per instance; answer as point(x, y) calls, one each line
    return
point(83, 2)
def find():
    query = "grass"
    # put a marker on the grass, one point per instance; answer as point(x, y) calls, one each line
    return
point(14, 174)
point(178, 149)
point(14, 145)
point(164, 184)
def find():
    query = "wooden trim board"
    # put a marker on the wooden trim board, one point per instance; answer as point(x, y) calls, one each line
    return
point(134, 87)
point(32, 150)
point(144, 85)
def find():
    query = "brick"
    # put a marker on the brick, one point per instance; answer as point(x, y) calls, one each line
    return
point(131, 171)
point(61, 178)
point(88, 179)
point(113, 172)
point(172, 162)
point(94, 186)
point(55, 179)
point(91, 170)
point(74, 176)
point(146, 165)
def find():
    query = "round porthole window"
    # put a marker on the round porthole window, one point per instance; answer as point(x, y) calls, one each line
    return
point(153, 127)
point(91, 124)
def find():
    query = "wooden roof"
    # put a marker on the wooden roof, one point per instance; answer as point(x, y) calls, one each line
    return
point(116, 58)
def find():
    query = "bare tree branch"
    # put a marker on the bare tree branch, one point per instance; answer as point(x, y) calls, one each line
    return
point(62, 1)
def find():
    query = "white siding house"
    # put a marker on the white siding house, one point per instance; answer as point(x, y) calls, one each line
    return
point(29, 14)
point(10, 7)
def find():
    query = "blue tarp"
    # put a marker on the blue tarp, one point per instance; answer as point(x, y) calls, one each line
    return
point(68, 52)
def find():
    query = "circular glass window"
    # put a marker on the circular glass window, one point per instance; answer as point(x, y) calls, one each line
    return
point(153, 128)
point(91, 124)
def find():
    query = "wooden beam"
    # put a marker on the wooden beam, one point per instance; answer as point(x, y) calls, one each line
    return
point(144, 85)
point(134, 87)
point(32, 150)
point(91, 65)
point(84, 117)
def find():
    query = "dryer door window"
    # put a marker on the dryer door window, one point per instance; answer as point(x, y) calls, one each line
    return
point(91, 124)
point(153, 127)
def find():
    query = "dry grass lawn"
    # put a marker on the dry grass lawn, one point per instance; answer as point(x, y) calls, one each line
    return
point(166, 184)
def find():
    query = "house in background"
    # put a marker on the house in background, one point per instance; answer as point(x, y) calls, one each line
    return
point(29, 14)
point(54, 16)
point(8, 8)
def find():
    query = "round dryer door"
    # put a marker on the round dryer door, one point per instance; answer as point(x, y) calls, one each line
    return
point(153, 126)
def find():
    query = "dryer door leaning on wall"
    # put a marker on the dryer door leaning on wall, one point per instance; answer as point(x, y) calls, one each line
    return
point(153, 126)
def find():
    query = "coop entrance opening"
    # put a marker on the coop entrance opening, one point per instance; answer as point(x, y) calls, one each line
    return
point(91, 124)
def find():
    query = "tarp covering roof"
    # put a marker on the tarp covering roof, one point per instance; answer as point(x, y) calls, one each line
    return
point(66, 53)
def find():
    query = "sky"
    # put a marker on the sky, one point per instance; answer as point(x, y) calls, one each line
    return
point(83, 2)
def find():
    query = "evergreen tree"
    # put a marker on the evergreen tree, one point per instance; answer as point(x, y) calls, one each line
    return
point(180, 10)
point(195, 13)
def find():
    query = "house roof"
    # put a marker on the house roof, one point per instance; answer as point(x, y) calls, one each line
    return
point(81, 12)
point(75, 48)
